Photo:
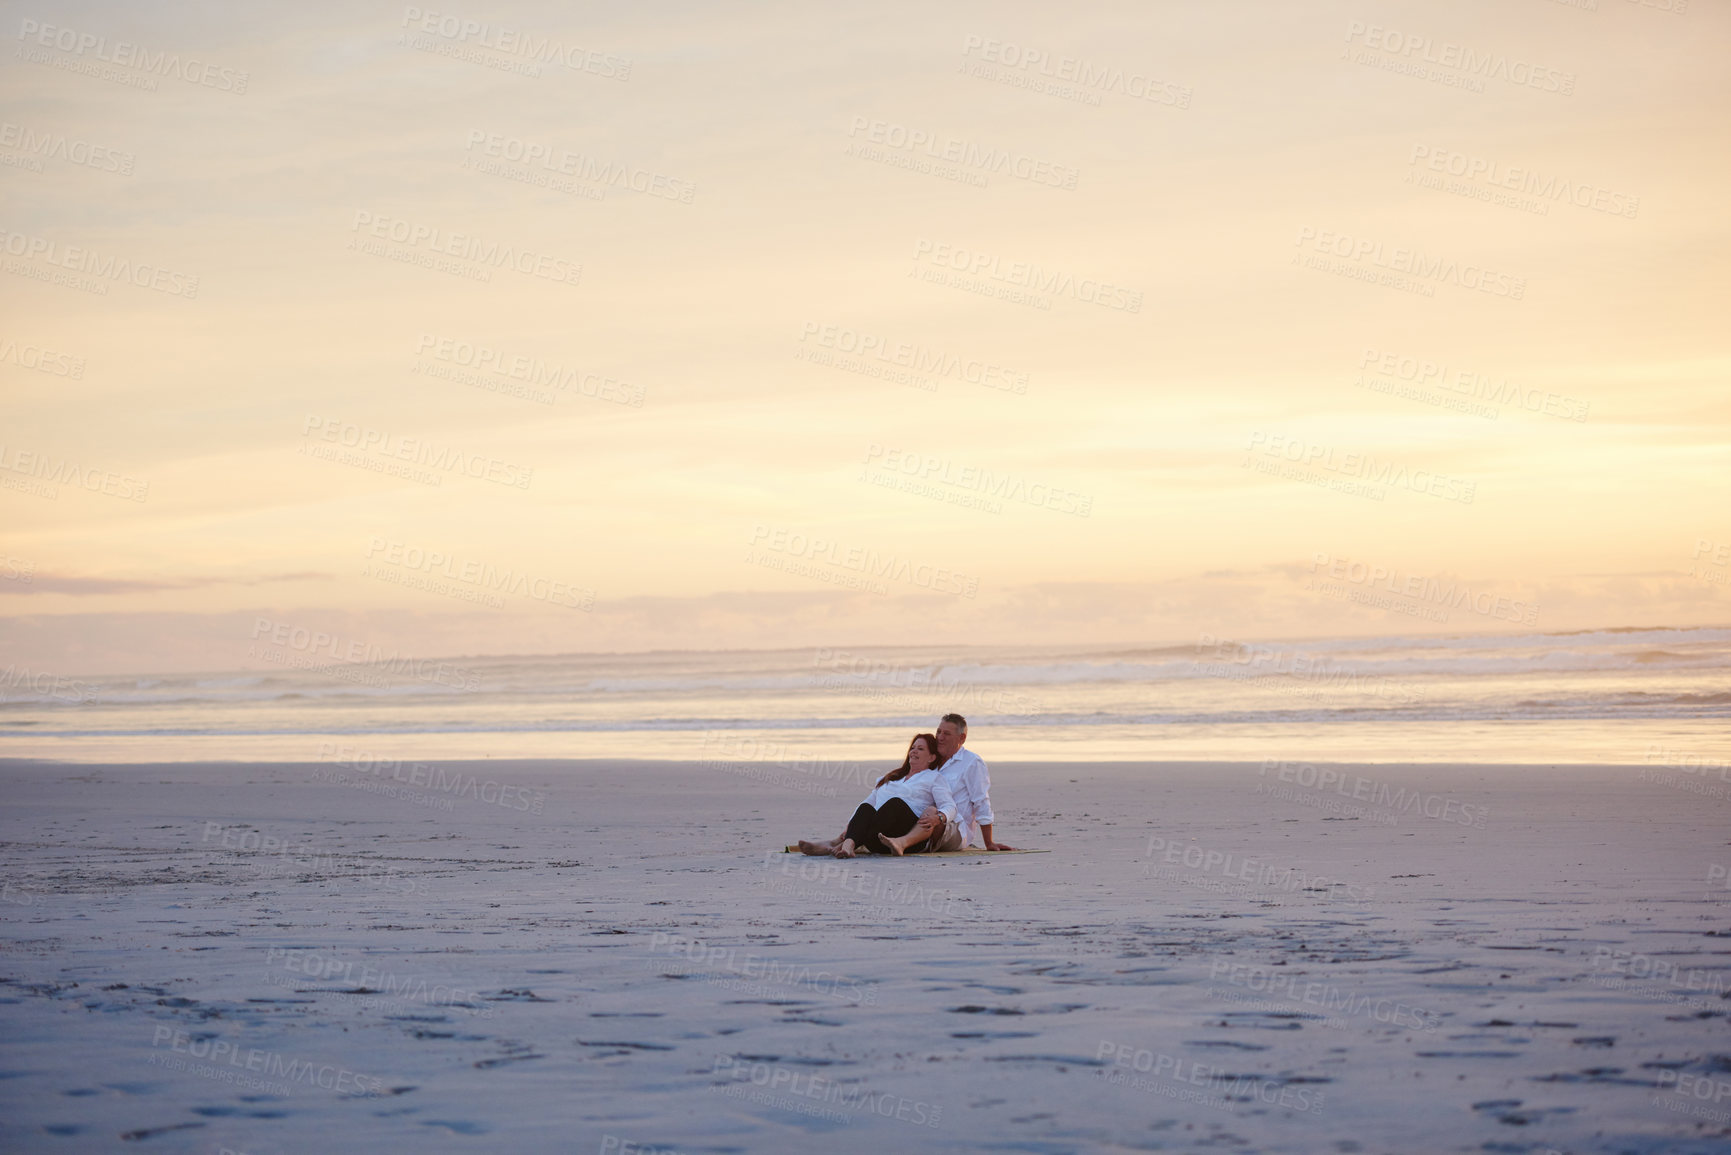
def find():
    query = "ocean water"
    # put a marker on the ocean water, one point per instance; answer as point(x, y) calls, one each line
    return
point(1651, 696)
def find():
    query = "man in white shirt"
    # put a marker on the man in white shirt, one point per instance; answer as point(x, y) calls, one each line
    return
point(971, 784)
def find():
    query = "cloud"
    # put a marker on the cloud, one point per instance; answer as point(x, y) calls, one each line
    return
point(85, 587)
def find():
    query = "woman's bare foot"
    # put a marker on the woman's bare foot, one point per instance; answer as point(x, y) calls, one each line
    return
point(823, 848)
point(897, 846)
point(846, 849)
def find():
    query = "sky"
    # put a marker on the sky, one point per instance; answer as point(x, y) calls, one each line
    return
point(539, 328)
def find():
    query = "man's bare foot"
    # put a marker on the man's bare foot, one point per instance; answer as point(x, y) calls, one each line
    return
point(823, 848)
point(895, 844)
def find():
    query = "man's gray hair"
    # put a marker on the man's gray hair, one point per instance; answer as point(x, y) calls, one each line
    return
point(956, 720)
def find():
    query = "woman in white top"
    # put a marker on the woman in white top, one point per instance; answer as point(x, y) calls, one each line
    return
point(883, 821)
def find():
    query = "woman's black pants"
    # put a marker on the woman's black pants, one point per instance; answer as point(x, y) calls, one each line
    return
point(894, 819)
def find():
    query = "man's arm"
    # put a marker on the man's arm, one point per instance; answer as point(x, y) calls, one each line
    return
point(943, 812)
point(981, 787)
point(943, 800)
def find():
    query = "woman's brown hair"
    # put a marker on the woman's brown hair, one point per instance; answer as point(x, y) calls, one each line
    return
point(901, 771)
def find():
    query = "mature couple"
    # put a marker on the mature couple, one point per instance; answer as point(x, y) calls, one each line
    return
point(939, 798)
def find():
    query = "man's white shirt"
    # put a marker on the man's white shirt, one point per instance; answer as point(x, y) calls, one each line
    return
point(971, 783)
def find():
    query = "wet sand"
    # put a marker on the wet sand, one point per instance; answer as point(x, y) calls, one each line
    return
point(618, 957)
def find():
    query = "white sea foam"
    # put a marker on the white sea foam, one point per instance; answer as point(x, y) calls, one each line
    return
point(1130, 699)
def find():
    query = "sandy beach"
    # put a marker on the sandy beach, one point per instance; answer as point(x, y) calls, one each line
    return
point(477, 484)
point(616, 957)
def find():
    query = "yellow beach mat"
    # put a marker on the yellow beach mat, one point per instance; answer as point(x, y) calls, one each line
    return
point(974, 850)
